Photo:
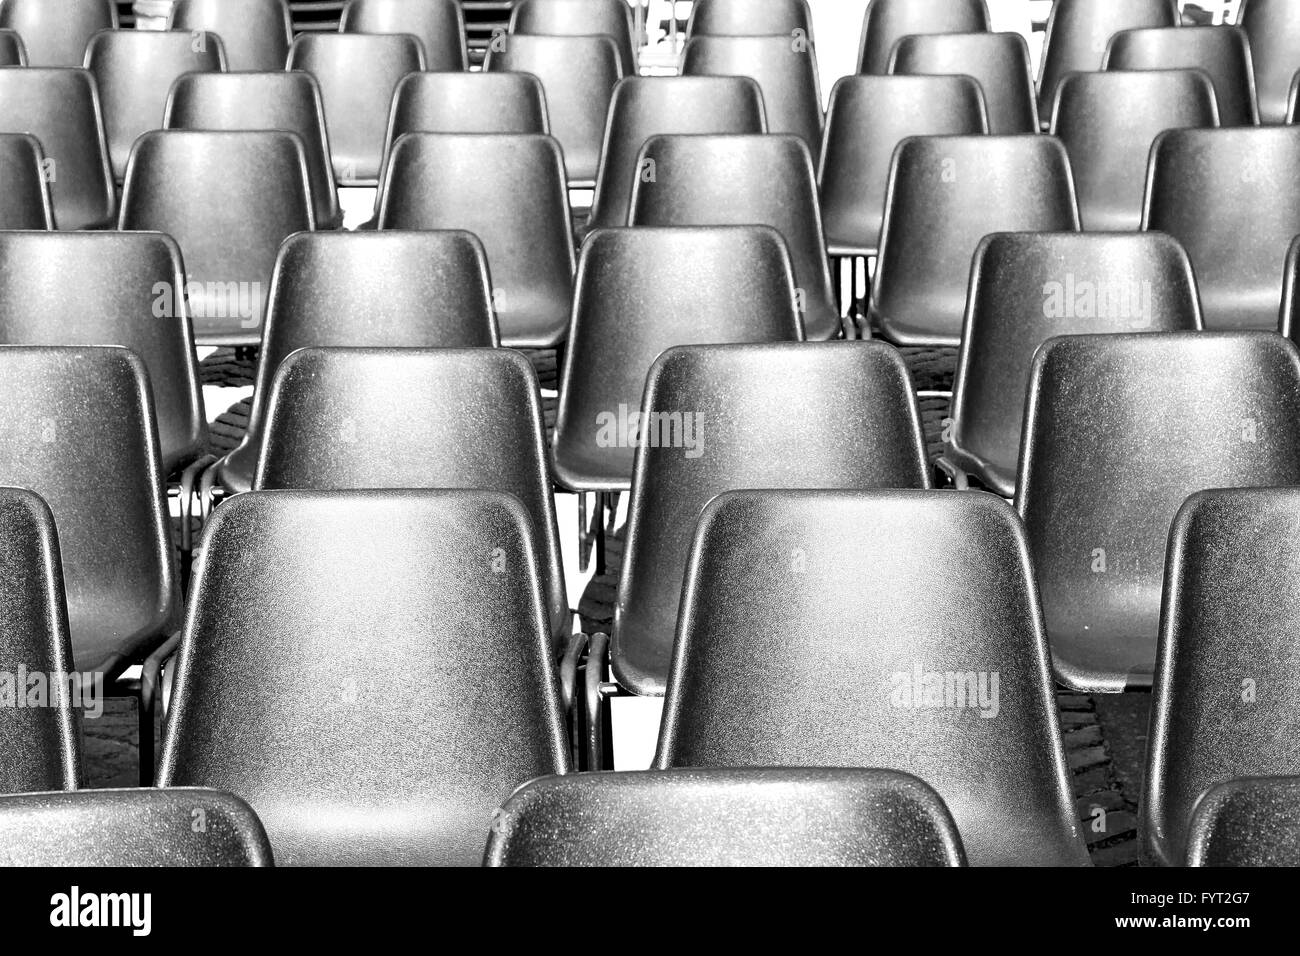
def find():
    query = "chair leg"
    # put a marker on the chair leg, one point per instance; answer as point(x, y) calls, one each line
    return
point(145, 711)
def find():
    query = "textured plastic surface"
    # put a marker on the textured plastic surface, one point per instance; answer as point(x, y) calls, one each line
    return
point(416, 418)
point(120, 828)
point(644, 106)
point(255, 33)
point(578, 74)
point(1248, 823)
point(579, 18)
point(730, 284)
point(314, 615)
point(517, 205)
point(867, 118)
point(1119, 430)
point(857, 427)
point(78, 427)
point(12, 51)
point(55, 32)
point(888, 21)
point(743, 180)
point(60, 107)
point(999, 62)
point(716, 817)
point(890, 629)
point(1028, 287)
point(439, 25)
point(1225, 700)
point(738, 18)
point(40, 747)
point(945, 194)
point(467, 103)
point(25, 200)
point(1273, 27)
point(228, 199)
point(1223, 52)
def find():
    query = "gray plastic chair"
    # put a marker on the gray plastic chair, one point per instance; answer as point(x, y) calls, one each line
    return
point(888, 21)
point(1247, 823)
point(1223, 52)
point(738, 18)
point(611, 18)
point(55, 32)
point(255, 33)
point(1273, 27)
point(439, 25)
point(25, 201)
point(999, 62)
point(12, 51)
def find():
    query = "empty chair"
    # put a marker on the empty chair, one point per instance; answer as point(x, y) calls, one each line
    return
point(515, 203)
point(1251, 822)
point(937, 667)
point(112, 288)
point(1289, 325)
point(730, 284)
point(1119, 430)
point(467, 103)
point(743, 180)
point(358, 74)
point(254, 33)
point(364, 289)
point(867, 118)
point(785, 70)
point(578, 75)
point(1078, 32)
point(719, 817)
point(713, 420)
point(646, 106)
point(998, 61)
point(945, 194)
point(1226, 702)
point(228, 199)
point(1205, 185)
point(416, 418)
point(79, 432)
point(12, 51)
point(25, 200)
point(298, 595)
point(134, 70)
point(1109, 145)
point(1273, 27)
point(439, 25)
point(55, 32)
point(41, 747)
point(888, 21)
point(741, 18)
point(1026, 288)
point(60, 107)
point(1223, 52)
point(119, 828)
point(287, 99)
point(611, 18)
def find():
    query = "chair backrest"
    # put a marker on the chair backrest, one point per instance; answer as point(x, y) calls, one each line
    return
point(888, 21)
point(1026, 288)
point(739, 18)
point(1109, 147)
point(731, 284)
point(1204, 184)
point(116, 288)
point(79, 432)
point(945, 194)
point(1289, 324)
point(40, 746)
point(867, 118)
point(298, 594)
point(358, 74)
point(228, 199)
point(416, 418)
point(1223, 52)
point(1148, 419)
point(467, 103)
point(1226, 701)
point(255, 33)
point(120, 828)
point(743, 180)
point(1252, 822)
point(1078, 32)
point(998, 61)
point(60, 107)
point(287, 99)
point(365, 290)
point(25, 200)
point(611, 18)
point(134, 70)
point(647, 106)
point(717, 418)
point(785, 69)
point(439, 25)
point(516, 204)
point(721, 817)
point(937, 666)
point(578, 74)
point(55, 32)
point(12, 51)
point(1273, 27)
